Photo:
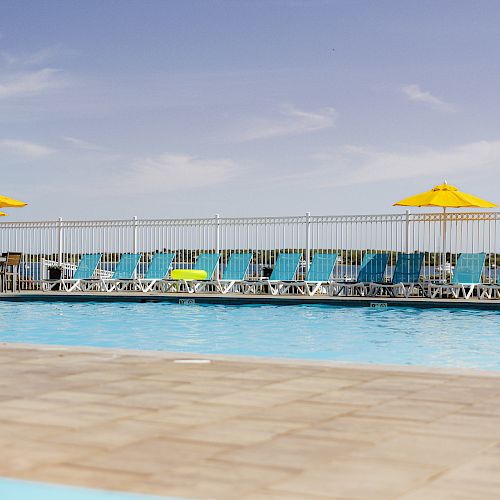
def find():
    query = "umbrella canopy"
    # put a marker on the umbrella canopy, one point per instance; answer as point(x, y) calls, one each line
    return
point(5, 201)
point(444, 196)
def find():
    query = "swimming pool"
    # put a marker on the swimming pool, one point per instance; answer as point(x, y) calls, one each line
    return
point(12, 489)
point(404, 336)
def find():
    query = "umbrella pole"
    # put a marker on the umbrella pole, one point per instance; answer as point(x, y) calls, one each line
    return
point(443, 247)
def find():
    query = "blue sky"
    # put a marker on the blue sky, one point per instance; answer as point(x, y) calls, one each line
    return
point(110, 109)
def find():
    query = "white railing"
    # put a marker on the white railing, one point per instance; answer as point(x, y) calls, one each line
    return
point(62, 242)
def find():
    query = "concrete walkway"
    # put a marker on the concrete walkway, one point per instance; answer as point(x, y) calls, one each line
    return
point(247, 429)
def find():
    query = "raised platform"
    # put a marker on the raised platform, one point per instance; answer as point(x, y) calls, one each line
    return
point(246, 428)
point(216, 298)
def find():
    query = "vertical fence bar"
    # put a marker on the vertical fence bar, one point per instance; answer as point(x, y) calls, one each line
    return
point(59, 241)
point(308, 240)
point(217, 243)
point(407, 231)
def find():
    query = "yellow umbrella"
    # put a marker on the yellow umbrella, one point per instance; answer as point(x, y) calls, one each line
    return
point(445, 196)
point(2, 214)
point(5, 201)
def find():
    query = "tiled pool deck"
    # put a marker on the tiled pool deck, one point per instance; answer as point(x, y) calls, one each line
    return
point(245, 428)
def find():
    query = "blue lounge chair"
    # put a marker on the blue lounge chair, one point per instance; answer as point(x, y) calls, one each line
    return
point(318, 277)
point(284, 272)
point(157, 271)
point(405, 279)
point(235, 272)
point(205, 262)
point(466, 277)
point(489, 290)
point(83, 273)
point(372, 271)
point(123, 274)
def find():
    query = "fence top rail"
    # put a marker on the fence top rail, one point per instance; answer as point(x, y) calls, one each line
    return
point(208, 221)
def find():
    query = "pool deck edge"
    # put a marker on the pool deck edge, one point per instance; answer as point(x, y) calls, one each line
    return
point(259, 360)
point(258, 299)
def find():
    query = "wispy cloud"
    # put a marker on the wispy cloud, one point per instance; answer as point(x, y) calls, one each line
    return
point(291, 121)
point(362, 166)
point(24, 148)
point(39, 57)
point(81, 144)
point(32, 82)
point(414, 93)
point(173, 172)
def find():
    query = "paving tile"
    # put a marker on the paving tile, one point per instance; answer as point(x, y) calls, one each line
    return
point(265, 494)
point(153, 456)
point(359, 397)
point(239, 431)
point(360, 428)
point(293, 451)
point(455, 394)
point(111, 435)
point(86, 477)
point(191, 414)
point(426, 449)
point(465, 425)
point(312, 383)
point(424, 411)
point(478, 478)
point(259, 397)
point(216, 479)
point(303, 411)
point(22, 455)
point(352, 478)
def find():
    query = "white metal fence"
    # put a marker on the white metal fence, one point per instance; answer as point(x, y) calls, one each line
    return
point(63, 242)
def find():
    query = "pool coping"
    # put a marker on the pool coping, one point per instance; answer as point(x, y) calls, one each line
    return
point(233, 358)
point(242, 299)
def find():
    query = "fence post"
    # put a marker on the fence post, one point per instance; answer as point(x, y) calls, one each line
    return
point(134, 239)
point(308, 240)
point(407, 232)
point(59, 241)
point(217, 243)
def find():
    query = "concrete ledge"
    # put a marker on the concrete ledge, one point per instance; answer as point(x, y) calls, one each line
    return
point(241, 299)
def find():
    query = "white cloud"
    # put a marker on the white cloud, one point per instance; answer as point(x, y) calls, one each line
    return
point(414, 93)
point(362, 166)
point(81, 144)
point(24, 148)
point(173, 172)
point(38, 57)
point(292, 121)
point(32, 82)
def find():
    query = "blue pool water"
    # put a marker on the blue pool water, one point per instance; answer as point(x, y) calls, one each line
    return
point(407, 336)
point(11, 489)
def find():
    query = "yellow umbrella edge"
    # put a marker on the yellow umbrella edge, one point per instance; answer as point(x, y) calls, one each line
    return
point(428, 199)
point(5, 201)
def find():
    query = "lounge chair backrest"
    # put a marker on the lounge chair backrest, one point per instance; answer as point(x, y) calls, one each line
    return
point(286, 266)
point(468, 269)
point(207, 262)
point(126, 267)
point(321, 268)
point(87, 266)
point(373, 268)
point(237, 267)
point(159, 266)
point(408, 267)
